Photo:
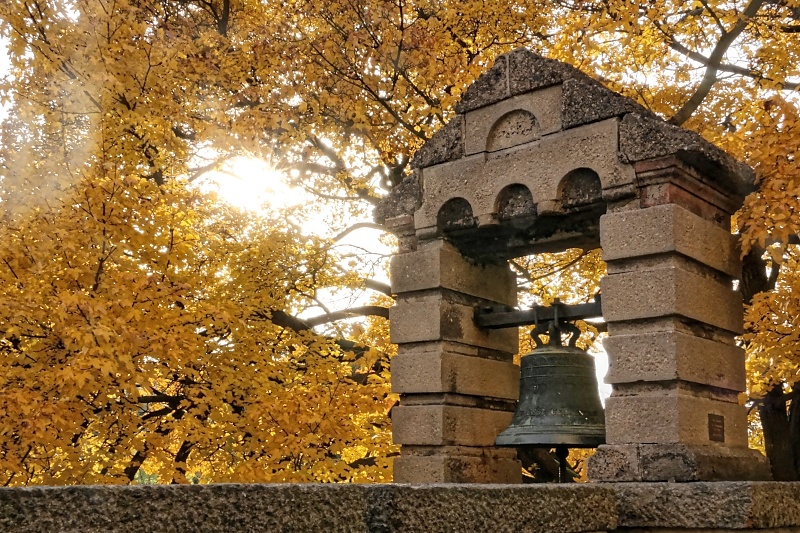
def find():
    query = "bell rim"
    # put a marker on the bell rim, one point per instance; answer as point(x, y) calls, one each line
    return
point(589, 436)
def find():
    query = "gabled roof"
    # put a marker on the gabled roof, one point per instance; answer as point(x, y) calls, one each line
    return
point(586, 100)
point(642, 134)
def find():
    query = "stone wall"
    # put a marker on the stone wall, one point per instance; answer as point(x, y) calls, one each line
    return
point(639, 507)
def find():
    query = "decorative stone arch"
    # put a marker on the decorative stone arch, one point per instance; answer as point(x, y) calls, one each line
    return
point(581, 186)
point(514, 201)
point(516, 127)
point(599, 171)
point(455, 214)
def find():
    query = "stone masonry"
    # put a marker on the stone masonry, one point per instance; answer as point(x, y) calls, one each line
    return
point(768, 507)
point(540, 157)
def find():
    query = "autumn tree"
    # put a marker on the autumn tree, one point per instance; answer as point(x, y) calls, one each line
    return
point(146, 95)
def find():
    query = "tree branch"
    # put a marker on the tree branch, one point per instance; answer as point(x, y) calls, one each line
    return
point(361, 311)
point(378, 286)
point(724, 67)
point(358, 226)
point(714, 61)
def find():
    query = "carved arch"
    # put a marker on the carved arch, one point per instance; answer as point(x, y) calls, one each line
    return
point(514, 128)
point(581, 186)
point(513, 201)
point(455, 214)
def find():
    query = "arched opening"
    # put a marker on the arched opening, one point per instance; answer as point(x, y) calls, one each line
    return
point(455, 214)
point(514, 201)
point(580, 187)
point(517, 127)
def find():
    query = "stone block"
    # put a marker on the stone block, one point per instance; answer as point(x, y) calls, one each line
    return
point(436, 425)
point(446, 144)
point(218, 508)
point(668, 228)
point(645, 137)
point(674, 415)
point(542, 165)
point(404, 199)
point(709, 506)
point(539, 165)
point(550, 508)
point(543, 105)
point(528, 71)
point(432, 318)
point(672, 355)
point(433, 370)
point(617, 463)
point(671, 291)
point(681, 462)
point(456, 469)
point(586, 101)
point(490, 87)
point(461, 178)
point(438, 265)
point(675, 462)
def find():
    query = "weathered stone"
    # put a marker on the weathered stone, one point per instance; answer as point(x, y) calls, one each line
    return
point(669, 180)
point(672, 355)
point(403, 228)
point(334, 507)
point(675, 462)
point(435, 425)
point(671, 291)
point(490, 87)
point(669, 415)
point(483, 125)
point(614, 462)
point(668, 228)
point(708, 506)
point(455, 179)
point(405, 199)
point(432, 318)
point(540, 166)
point(586, 100)
point(430, 369)
point(457, 469)
point(448, 508)
point(642, 137)
point(206, 508)
point(528, 71)
point(378, 508)
point(445, 145)
point(438, 265)
point(682, 462)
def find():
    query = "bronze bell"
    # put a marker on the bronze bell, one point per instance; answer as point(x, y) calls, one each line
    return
point(559, 402)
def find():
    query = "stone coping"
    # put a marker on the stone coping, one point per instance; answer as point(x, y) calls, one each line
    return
point(400, 508)
point(709, 505)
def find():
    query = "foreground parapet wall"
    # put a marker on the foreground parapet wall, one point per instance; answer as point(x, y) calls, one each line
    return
point(664, 507)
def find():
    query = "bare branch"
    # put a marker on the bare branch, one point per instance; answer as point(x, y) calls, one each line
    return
point(378, 286)
point(358, 226)
point(714, 61)
point(362, 311)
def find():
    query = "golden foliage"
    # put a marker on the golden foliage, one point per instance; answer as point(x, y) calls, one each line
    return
point(121, 282)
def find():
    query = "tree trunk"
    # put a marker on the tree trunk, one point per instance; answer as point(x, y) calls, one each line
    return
point(775, 422)
point(794, 428)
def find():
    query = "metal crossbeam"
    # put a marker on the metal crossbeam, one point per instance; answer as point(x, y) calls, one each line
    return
point(491, 318)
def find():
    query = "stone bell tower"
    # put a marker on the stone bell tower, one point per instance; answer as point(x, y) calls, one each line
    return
point(542, 158)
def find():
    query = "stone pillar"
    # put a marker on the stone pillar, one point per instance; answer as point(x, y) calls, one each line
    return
point(457, 383)
point(673, 315)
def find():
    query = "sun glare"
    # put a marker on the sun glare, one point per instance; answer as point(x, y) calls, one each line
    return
point(253, 184)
